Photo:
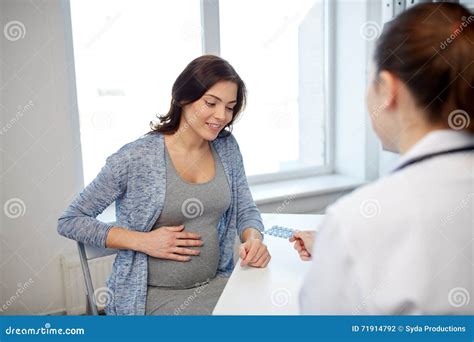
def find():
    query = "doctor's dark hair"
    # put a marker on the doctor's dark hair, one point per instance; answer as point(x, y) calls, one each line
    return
point(430, 49)
point(197, 78)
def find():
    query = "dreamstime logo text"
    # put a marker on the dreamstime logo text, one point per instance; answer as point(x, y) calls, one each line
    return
point(22, 287)
point(190, 299)
point(464, 23)
point(21, 110)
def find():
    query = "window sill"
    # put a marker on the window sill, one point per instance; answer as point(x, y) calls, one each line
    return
point(328, 187)
point(307, 195)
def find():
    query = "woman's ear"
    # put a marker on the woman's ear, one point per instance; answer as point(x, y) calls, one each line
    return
point(388, 88)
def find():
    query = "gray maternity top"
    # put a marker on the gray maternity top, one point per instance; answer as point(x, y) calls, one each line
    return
point(199, 207)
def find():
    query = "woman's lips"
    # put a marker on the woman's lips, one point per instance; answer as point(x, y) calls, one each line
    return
point(214, 127)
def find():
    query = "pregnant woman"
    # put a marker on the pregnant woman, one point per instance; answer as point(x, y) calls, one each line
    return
point(181, 197)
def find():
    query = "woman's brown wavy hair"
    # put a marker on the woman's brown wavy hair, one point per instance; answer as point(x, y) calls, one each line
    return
point(197, 78)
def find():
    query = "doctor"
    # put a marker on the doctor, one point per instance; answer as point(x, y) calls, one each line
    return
point(404, 244)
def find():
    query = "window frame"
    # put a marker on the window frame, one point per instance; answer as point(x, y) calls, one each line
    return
point(210, 23)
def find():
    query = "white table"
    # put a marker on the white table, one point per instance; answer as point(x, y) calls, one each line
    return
point(272, 290)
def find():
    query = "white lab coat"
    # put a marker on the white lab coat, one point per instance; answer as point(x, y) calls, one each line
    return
point(403, 244)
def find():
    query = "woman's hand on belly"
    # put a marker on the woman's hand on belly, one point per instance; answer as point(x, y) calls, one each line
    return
point(170, 243)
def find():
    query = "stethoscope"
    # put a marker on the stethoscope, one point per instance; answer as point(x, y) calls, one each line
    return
point(432, 155)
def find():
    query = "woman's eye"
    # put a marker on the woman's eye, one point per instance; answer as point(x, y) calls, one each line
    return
point(210, 104)
point(230, 109)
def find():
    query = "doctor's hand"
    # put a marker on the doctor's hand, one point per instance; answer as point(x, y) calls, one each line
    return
point(170, 243)
point(304, 243)
point(254, 253)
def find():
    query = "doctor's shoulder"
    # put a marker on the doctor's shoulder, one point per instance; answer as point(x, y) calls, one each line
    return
point(373, 191)
point(372, 204)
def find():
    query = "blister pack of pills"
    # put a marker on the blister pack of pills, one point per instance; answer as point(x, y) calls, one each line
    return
point(280, 231)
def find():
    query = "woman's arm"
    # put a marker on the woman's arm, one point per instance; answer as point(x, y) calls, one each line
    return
point(253, 251)
point(248, 215)
point(165, 243)
point(251, 234)
point(249, 221)
point(122, 238)
point(79, 221)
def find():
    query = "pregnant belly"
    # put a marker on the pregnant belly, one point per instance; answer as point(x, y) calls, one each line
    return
point(186, 274)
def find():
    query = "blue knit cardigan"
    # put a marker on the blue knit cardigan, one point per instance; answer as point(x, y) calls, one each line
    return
point(135, 178)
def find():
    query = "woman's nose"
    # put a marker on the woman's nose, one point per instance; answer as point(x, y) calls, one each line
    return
point(220, 113)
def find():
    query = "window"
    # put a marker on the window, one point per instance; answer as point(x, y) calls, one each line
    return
point(278, 48)
point(128, 54)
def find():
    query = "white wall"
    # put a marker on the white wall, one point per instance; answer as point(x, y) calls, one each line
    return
point(40, 161)
point(39, 154)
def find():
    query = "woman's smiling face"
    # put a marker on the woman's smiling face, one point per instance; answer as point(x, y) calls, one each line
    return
point(213, 111)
